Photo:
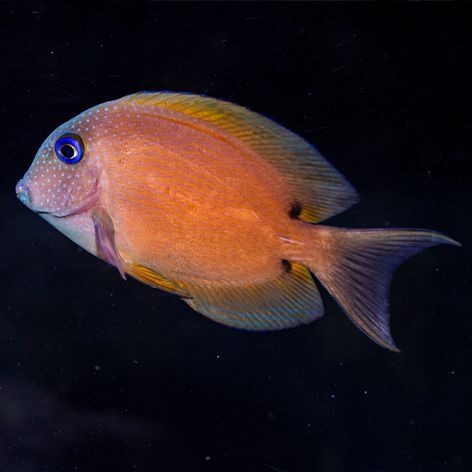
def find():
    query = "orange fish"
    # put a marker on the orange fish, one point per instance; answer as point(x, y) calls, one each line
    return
point(216, 204)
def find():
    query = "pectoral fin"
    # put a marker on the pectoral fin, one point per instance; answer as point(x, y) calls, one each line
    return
point(152, 278)
point(105, 240)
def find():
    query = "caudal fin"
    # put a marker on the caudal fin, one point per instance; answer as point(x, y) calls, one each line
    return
point(356, 268)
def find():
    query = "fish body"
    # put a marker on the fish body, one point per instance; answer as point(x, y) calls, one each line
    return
point(195, 205)
point(212, 202)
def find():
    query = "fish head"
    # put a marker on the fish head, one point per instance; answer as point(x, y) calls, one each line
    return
point(63, 177)
point(65, 181)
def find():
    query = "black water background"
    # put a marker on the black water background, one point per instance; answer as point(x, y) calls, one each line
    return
point(100, 374)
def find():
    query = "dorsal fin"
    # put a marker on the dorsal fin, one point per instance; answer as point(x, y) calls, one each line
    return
point(318, 189)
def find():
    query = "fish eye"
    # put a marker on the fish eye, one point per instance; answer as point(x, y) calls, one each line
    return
point(69, 148)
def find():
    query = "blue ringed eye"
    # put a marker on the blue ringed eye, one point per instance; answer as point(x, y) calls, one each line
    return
point(69, 148)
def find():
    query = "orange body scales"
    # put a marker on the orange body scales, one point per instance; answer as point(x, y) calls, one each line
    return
point(193, 203)
point(212, 202)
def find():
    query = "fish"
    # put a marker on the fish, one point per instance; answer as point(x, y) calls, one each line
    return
point(221, 206)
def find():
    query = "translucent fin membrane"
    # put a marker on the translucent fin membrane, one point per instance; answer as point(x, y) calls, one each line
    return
point(319, 189)
point(356, 268)
point(289, 300)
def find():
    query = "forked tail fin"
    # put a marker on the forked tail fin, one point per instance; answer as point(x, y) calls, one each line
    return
point(356, 268)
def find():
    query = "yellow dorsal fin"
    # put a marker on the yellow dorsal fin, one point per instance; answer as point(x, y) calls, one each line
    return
point(319, 191)
point(149, 277)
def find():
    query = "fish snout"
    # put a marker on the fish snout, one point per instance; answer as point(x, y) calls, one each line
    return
point(23, 192)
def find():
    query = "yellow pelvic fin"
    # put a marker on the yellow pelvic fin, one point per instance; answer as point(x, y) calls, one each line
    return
point(317, 188)
point(149, 277)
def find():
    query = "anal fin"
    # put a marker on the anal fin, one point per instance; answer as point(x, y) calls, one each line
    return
point(289, 300)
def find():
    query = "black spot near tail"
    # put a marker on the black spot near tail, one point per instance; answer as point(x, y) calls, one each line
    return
point(286, 265)
point(295, 210)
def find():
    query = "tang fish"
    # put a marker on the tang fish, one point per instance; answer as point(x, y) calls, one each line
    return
point(216, 204)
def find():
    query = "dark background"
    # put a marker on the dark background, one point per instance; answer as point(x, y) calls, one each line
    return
point(98, 374)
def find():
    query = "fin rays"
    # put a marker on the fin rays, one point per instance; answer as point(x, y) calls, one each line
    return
point(290, 300)
point(321, 190)
point(357, 269)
